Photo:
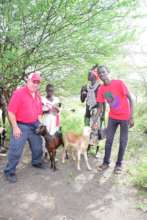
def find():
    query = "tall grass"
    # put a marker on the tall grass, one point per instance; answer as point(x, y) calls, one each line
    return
point(138, 148)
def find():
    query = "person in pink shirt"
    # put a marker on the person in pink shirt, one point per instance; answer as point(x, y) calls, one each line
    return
point(24, 111)
point(51, 110)
point(116, 94)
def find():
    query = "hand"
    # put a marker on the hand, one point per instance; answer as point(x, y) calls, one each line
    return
point(46, 112)
point(17, 132)
point(94, 125)
point(131, 122)
point(55, 109)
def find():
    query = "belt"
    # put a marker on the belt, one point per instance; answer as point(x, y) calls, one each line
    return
point(25, 123)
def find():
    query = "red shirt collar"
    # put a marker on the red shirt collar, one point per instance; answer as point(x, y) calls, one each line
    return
point(28, 91)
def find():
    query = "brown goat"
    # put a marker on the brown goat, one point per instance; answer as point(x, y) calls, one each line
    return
point(77, 145)
point(51, 143)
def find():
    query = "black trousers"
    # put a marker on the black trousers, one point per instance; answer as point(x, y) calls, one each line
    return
point(111, 129)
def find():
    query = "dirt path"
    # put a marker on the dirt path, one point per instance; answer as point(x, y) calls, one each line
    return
point(67, 194)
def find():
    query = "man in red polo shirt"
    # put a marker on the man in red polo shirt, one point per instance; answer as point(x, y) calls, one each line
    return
point(24, 111)
point(116, 94)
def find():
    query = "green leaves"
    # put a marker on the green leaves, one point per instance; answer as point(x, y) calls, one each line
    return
point(48, 35)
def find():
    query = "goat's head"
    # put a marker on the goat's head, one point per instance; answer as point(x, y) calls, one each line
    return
point(59, 133)
point(42, 130)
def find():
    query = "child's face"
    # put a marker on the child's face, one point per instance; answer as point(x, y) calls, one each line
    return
point(50, 92)
point(91, 77)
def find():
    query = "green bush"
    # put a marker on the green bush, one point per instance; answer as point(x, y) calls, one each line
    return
point(141, 117)
point(71, 121)
point(140, 179)
point(138, 168)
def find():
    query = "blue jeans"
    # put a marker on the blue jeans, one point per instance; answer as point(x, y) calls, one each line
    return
point(17, 144)
point(111, 129)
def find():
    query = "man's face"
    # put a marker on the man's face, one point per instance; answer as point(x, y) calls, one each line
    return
point(33, 85)
point(103, 73)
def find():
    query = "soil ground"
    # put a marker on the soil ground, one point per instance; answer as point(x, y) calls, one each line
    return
point(68, 194)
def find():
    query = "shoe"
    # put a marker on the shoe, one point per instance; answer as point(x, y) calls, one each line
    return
point(40, 166)
point(11, 178)
point(97, 156)
point(117, 169)
point(103, 167)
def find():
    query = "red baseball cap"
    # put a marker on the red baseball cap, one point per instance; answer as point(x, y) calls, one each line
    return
point(35, 76)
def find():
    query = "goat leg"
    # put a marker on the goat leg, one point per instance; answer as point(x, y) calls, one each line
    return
point(53, 160)
point(66, 156)
point(86, 160)
point(78, 160)
point(89, 146)
point(63, 155)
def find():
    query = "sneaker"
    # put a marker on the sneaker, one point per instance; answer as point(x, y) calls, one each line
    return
point(103, 167)
point(118, 169)
point(11, 178)
point(97, 155)
point(40, 166)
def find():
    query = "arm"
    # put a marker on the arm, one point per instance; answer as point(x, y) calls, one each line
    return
point(39, 118)
point(100, 102)
point(126, 93)
point(44, 106)
point(16, 130)
point(99, 110)
point(13, 106)
point(103, 111)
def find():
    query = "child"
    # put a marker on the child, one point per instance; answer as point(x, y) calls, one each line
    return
point(51, 110)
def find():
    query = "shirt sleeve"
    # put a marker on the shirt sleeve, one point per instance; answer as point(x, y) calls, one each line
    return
point(14, 102)
point(124, 88)
point(57, 101)
point(100, 96)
